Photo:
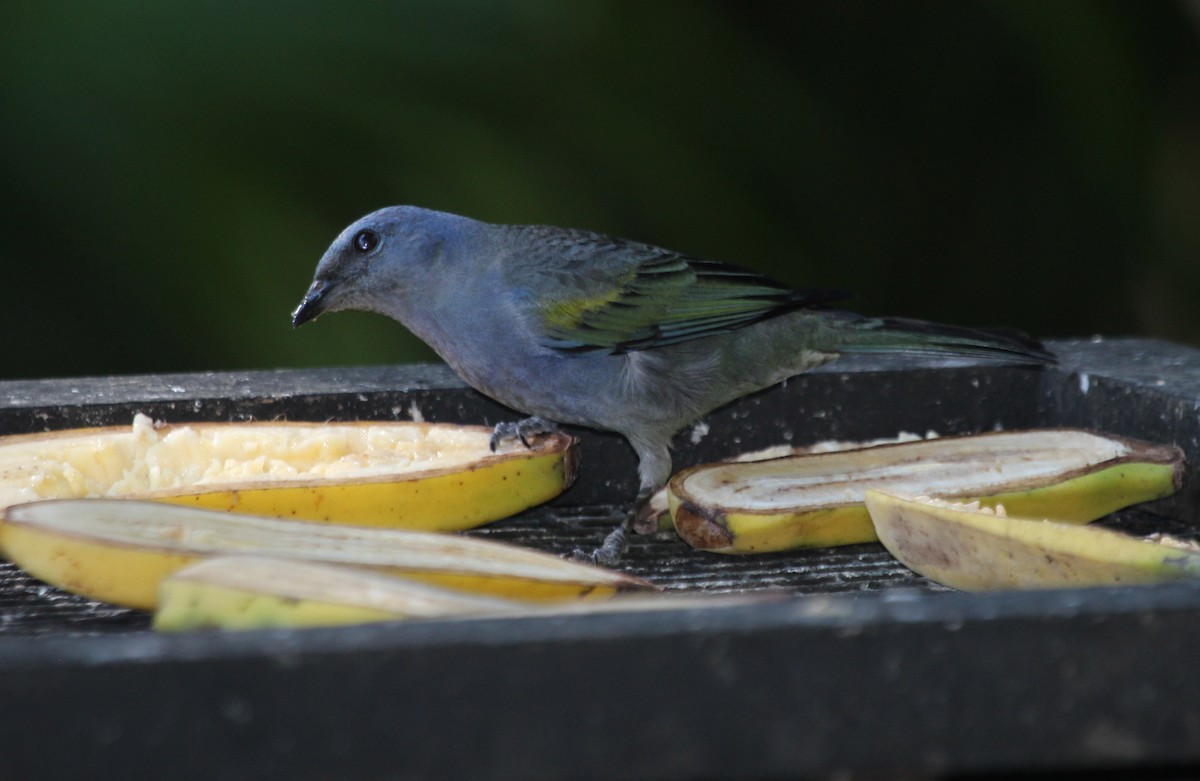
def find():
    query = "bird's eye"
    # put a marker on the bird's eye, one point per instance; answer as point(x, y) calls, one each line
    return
point(365, 241)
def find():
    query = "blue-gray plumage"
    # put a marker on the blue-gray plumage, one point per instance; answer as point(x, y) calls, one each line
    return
point(582, 328)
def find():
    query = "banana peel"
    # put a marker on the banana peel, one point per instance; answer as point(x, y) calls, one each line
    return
point(436, 477)
point(817, 500)
point(254, 592)
point(975, 548)
point(119, 551)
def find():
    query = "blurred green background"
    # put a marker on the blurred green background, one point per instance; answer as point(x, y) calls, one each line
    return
point(171, 172)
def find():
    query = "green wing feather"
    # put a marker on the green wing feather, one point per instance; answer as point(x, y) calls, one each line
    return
point(667, 299)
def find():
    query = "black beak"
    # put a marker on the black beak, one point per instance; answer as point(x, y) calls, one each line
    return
point(314, 303)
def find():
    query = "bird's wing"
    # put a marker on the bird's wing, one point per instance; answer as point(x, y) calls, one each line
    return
point(598, 293)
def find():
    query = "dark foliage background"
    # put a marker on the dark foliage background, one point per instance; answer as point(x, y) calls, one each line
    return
point(170, 172)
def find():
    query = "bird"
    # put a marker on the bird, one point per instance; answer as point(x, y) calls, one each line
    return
point(575, 327)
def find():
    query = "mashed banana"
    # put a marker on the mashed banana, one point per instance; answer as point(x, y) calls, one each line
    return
point(147, 458)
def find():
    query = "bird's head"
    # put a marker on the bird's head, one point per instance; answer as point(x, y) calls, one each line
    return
point(380, 261)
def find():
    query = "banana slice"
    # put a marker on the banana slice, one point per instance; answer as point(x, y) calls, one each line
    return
point(437, 477)
point(817, 500)
point(253, 592)
point(119, 551)
point(974, 548)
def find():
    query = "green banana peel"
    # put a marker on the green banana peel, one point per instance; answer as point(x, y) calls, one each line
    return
point(256, 592)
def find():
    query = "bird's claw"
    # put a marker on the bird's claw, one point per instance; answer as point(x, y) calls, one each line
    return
point(614, 545)
point(527, 431)
point(609, 552)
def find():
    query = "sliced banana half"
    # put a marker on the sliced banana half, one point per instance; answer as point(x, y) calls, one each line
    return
point(817, 500)
point(254, 592)
point(437, 477)
point(119, 551)
point(976, 548)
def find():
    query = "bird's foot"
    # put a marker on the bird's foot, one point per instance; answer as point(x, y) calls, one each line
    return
point(614, 545)
point(609, 552)
point(527, 431)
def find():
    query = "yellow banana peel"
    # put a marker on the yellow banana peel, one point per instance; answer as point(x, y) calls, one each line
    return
point(119, 551)
point(817, 500)
point(437, 477)
point(974, 548)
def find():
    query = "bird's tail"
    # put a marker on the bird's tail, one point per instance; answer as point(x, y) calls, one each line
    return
point(916, 337)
